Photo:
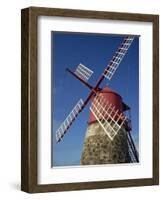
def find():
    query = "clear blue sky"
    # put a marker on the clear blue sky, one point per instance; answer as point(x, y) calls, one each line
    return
point(95, 51)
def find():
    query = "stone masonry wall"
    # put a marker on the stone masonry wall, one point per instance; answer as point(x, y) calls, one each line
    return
point(99, 149)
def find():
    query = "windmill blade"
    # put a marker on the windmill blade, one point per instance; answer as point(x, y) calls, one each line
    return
point(118, 57)
point(83, 72)
point(111, 120)
point(69, 120)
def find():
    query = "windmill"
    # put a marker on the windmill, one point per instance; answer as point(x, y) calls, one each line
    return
point(108, 136)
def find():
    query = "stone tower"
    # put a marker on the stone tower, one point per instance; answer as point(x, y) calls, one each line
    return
point(98, 148)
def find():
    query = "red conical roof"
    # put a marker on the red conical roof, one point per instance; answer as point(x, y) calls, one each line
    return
point(113, 99)
point(107, 89)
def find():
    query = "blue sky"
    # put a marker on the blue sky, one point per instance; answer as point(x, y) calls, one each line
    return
point(94, 51)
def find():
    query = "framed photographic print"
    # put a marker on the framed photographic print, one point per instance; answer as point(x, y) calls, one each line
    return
point(90, 99)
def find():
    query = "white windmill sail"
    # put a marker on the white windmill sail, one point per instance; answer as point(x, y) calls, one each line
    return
point(109, 118)
point(83, 72)
point(68, 121)
point(117, 58)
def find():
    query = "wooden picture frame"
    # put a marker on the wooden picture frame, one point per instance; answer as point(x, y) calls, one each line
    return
point(29, 134)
